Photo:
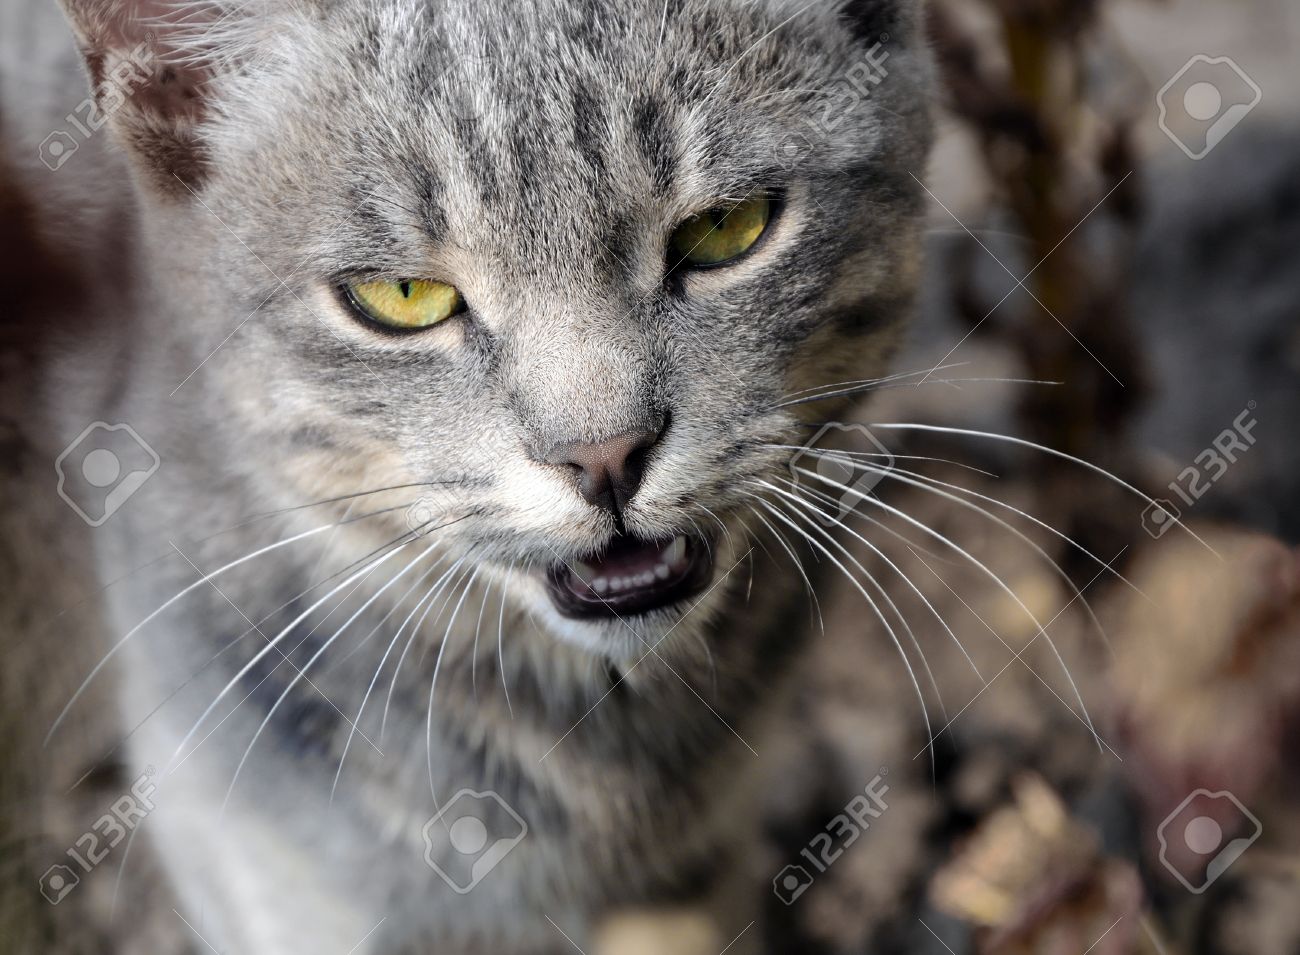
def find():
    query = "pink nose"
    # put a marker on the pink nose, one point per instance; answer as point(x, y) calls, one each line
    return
point(609, 472)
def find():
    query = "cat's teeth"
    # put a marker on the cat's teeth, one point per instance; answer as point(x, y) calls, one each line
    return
point(674, 554)
point(672, 561)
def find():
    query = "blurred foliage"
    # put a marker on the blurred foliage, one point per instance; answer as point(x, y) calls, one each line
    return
point(1020, 76)
point(1200, 689)
point(1035, 882)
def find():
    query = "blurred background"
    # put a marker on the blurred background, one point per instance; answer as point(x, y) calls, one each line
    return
point(1115, 210)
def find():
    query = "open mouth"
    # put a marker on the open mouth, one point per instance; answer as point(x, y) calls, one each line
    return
point(632, 575)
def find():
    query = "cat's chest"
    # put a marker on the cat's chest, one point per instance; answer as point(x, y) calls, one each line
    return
point(315, 735)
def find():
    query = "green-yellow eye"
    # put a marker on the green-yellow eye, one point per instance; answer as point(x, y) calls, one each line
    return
point(406, 304)
point(722, 233)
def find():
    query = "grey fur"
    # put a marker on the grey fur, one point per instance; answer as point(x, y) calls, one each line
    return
point(537, 156)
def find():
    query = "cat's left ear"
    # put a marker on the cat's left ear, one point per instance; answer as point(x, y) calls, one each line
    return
point(147, 81)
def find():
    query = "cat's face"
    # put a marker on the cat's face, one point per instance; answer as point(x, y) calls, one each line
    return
point(539, 157)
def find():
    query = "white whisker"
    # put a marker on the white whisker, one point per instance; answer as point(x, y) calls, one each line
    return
point(382, 620)
point(984, 569)
point(433, 681)
point(439, 586)
point(104, 759)
point(379, 668)
point(473, 657)
point(501, 656)
point(206, 578)
point(302, 672)
point(956, 383)
point(809, 513)
point(794, 397)
point(726, 531)
point(913, 479)
point(1010, 439)
point(916, 686)
point(853, 455)
point(814, 603)
point(826, 498)
point(271, 644)
point(929, 480)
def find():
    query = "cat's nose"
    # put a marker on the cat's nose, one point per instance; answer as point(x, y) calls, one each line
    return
point(609, 471)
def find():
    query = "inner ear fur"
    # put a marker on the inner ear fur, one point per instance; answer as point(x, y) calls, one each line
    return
point(148, 82)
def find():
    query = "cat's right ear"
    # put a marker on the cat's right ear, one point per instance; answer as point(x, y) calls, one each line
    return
point(149, 81)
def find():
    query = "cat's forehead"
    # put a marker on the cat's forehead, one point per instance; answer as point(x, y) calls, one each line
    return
point(567, 119)
point(571, 73)
point(607, 30)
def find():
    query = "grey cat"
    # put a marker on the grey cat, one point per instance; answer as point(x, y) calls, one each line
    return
point(454, 341)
